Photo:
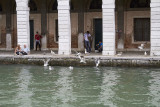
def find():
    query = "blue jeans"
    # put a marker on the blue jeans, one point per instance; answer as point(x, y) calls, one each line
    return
point(87, 45)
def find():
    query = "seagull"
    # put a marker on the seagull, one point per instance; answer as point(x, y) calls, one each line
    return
point(71, 68)
point(46, 62)
point(53, 53)
point(82, 59)
point(85, 51)
point(120, 54)
point(141, 47)
point(145, 53)
point(78, 54)
point(50, 68)
point(97, 61)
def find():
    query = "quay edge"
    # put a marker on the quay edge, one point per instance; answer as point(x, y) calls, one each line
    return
point(90, 61)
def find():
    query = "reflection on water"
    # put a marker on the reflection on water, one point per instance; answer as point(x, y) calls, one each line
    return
point(107, 93)
point(36, 86)
point(24, 94)
point(64, 94)
point(155, 88)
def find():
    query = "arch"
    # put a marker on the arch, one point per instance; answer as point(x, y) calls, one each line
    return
point(96, 4)
point(71, 5)
point(32, 5)
point(55, 4)
point(140, 4)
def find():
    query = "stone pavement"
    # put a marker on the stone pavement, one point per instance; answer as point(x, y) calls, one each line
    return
point(48, 53)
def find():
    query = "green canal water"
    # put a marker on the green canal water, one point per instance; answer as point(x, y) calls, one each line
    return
point(37, 86)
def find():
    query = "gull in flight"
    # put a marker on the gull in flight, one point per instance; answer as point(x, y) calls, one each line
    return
point(82, 59)
point(46, 62)
point(97, 61)
point(52, 52)
point(51, 68)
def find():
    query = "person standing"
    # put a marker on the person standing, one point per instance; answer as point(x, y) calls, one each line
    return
point(86, 40)
point(38, 40)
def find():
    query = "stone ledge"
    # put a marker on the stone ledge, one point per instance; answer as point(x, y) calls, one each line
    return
point(90, 61)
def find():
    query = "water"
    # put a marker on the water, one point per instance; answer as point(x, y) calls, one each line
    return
point(36, 86)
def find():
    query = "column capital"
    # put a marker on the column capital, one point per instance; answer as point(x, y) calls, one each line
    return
point(22, 3)
point(63, 4)
point(108, 4)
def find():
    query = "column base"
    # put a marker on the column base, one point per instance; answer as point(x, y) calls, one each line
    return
point(108, 53)
point(8, 41)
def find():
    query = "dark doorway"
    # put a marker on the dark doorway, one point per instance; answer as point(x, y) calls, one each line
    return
point(31, 34)
point(57, 37)
point(142, 29)
point(97, 31)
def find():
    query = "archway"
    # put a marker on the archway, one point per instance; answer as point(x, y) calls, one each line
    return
point(95, 10)
point(96, 4)
point(0, 8)
point(32, 5)
point(140, 4)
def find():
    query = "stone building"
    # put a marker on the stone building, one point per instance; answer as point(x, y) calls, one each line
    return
point(120, 24)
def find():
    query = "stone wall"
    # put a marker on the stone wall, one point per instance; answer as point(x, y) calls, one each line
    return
point(129, 28)
point(2, 31)
point(14, 30)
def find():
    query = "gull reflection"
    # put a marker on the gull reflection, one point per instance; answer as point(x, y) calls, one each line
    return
point(155, 88)
point(24, 94)
point(107, 93)
point(64, 94)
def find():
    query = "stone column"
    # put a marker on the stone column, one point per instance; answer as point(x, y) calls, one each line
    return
point(64, 27)
point(155, 27)
point(44, 24)
point(108, 11)
point(120, 19)
point(23, 31)
point(8, 26)
point(80, 10)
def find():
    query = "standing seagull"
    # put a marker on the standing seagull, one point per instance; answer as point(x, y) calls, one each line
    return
point(97, 61)
point(141, 47)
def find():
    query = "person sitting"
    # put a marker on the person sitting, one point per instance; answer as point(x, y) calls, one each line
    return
point(18, 50)
point(25, 50)
point(100, 46)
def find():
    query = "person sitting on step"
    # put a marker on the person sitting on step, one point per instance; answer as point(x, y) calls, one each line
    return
point(18, 50)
